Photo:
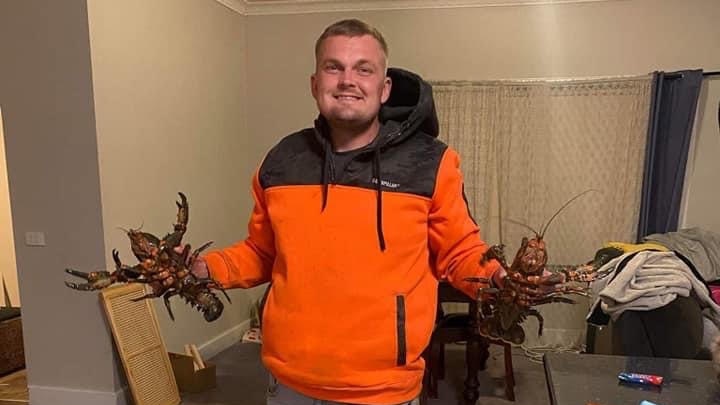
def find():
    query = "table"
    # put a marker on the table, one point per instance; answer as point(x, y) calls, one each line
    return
point(576, 379)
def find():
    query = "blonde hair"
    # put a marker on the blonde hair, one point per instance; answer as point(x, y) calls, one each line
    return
point(351, 28)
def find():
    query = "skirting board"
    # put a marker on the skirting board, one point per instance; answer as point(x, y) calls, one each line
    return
point(224, 340)
point(41, 395)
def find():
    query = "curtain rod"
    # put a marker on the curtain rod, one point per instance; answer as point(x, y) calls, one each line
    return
point(705, 74)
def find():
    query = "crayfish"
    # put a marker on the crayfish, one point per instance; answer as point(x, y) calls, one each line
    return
point(529, 282)
point(163, 267)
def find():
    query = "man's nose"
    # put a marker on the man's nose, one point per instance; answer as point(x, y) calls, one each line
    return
point(347, 78)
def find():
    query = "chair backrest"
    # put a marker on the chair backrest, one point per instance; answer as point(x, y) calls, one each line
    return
point(448, 293)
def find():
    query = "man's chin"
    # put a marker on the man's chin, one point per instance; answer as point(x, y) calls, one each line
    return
point(350, 121)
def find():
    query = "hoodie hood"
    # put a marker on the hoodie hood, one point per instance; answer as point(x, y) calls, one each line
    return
point(409, 109)
point(411, 105)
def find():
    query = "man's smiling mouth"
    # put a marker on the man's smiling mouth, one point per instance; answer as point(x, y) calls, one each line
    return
point(347, 97)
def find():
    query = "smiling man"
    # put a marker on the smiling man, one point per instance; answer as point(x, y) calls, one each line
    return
point(355, 221)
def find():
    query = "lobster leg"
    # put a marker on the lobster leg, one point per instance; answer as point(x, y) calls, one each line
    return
point(536, 314)
point(123, 272)
point(96, 280)
point(548, 300)
point(585, 273)
point(496, 252)
point(575, 290)
point(477, 279)
point(515, 335)
point(156, 292)
point(166, 298)
point(210, 283)
point(189, 261)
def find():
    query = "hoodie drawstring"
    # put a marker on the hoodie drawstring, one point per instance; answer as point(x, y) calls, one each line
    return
point(378, 188)
point(327, 169)
point(328, 175)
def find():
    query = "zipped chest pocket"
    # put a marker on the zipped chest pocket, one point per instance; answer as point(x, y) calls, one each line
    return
point(400, 330)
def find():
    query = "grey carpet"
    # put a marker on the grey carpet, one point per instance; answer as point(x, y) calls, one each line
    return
point(242, 379)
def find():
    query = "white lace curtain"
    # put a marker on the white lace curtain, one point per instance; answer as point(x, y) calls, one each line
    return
point(527, 147)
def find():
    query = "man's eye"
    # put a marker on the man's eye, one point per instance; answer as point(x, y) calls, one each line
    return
point(365, 70)
point(332, 68)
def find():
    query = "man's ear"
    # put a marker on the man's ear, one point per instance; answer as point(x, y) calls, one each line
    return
point(313, 85)
point(387, 86)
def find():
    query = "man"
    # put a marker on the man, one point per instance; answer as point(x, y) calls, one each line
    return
point(355, 221)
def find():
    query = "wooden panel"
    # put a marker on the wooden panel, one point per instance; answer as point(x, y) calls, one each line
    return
point(140, 346)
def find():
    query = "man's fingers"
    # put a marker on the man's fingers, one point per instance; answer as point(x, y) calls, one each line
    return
point(168, 281)
point(531, 291)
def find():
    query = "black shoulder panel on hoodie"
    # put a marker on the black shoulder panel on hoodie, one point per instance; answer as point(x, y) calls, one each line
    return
point(407, 167)
point(296, 160)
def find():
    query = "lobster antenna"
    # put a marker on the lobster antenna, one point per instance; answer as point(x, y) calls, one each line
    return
point(512, 221)
point(127, 231)
point(545, 228)
point(500, 213)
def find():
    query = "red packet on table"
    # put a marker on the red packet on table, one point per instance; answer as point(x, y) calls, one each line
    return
point(645, 379)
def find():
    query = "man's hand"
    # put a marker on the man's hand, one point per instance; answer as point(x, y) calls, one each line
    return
point(498, 277)
point(199, 267)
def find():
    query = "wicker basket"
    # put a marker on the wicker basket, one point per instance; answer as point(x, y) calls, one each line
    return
point(12, 353)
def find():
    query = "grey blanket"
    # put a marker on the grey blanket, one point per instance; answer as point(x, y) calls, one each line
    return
point(700, 246)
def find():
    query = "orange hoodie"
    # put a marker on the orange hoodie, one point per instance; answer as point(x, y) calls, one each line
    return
point(354, 255)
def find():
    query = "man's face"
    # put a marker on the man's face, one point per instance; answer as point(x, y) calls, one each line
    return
point(349, 83)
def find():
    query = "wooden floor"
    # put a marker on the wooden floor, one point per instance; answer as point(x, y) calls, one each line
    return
point(13, 388)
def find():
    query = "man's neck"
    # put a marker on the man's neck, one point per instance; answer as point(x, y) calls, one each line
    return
point(346, 139)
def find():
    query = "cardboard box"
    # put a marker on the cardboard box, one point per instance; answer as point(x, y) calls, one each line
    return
point(188, 379)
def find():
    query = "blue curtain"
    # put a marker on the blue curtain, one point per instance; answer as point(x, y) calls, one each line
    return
point(672, 114)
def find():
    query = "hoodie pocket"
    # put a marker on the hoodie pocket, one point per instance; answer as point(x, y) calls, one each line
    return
point(400, 330)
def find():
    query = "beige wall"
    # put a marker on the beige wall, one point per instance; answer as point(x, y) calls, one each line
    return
point(47, 101)
point(8, 266)
point(169, 79)
point(572, 40)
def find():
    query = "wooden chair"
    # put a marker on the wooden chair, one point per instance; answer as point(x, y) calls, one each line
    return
point(462, 327)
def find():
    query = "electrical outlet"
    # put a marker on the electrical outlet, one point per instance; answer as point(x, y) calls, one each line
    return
point(35, 238)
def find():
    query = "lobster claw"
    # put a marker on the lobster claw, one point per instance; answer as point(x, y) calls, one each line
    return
point(96, 280)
